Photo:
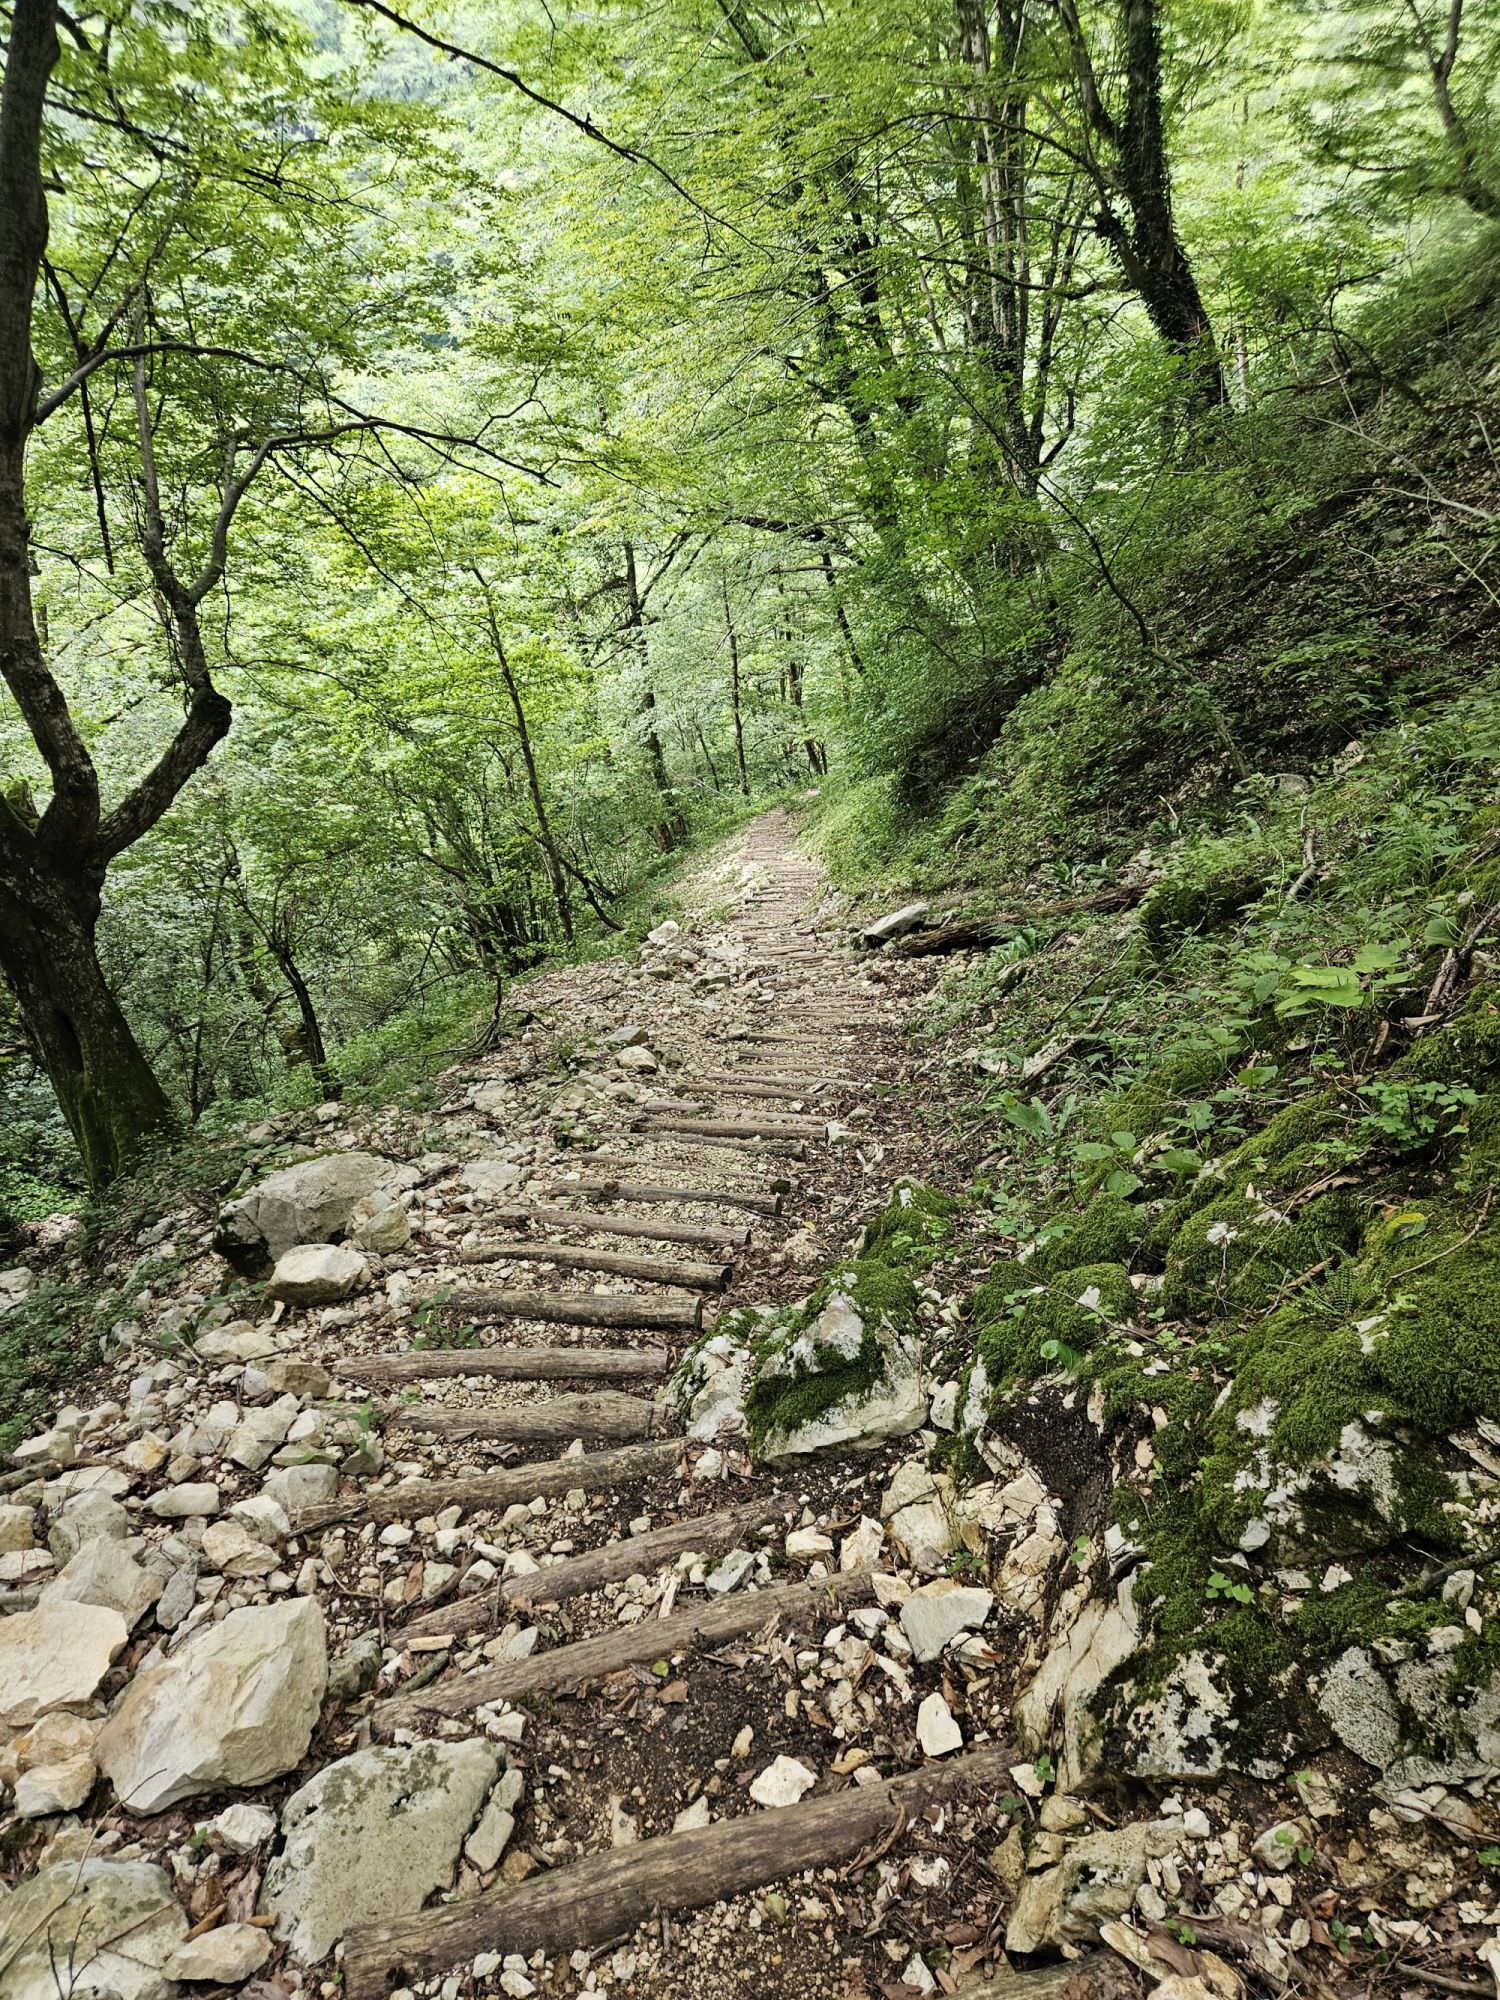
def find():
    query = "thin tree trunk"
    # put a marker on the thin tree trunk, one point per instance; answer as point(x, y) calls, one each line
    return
point(669, 830)
point(556, 873)
point(734, 696)
point(314, 1046)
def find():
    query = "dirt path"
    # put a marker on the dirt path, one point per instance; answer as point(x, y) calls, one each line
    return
point(758, 1120)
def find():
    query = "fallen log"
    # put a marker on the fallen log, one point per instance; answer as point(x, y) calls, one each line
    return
point(504, 1486)
point(621, 1263)
point(721, 1236)
point(980, 932)
point(506, 1364)
point(606, 1414)
point(707, 1534)
point(648, 1193)
point(735, 1128)
point(607, 1895)
point(713, 1623)
point(617, 1309)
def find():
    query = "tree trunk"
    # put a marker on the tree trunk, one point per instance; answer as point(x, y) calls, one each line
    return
point(734, 696)
point(311, 1039)
point(669, 829)
point(105, 1087)
point(556, 873)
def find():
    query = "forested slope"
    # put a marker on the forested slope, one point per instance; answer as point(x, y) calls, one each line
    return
point(459, 464)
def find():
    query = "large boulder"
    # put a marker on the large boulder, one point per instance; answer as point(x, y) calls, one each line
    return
point(1405, 1712)
point(90, 1927)
point(844, 1381)
point(237, 1706)
point(372, 1836)
point(317, 1274)
point(55, 1657)
point(312, 1202)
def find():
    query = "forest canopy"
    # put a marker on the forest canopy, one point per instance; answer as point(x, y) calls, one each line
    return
point(454, 457)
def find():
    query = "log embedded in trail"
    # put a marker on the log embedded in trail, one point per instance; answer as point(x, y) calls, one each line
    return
point(721, 1236)
point(706, 1534)
point(735, 1128)
point(506, 1364)
point(570, 1257)
point(710, 1624)
point(979, 932)
point(593, 1472)
point(617, 1309)
point(648, 1193)
point(769, 1083)
point(607, 1414)
point(607, 1895)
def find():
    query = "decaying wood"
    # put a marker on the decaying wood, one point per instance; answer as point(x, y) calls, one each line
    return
point(769, 1083)
point(981, 932)
point(735, 1128)
point(649, 1193)
point(721, 1235)
point(505, 1486)
point(617, 1309)
point(605, 1414)
point(1097, 1976)
point(632, 1555)
point(713, 1623)
point(741, 1142)
point(607, 1895)
point(506, 1364)
point(621, 1263)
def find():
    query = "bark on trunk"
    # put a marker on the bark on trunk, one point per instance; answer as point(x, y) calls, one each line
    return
point(105, 1087)
point(734, 696)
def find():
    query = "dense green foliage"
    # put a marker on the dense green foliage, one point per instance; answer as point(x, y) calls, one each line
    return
point(1030, 422)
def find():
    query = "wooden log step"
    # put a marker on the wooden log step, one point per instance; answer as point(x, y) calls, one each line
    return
point(650, 1193)
point(618, 1309)
point(713, 1623)
point(794, 1086)
point(605, 1414)
point(632, 1555)
point(716, 1235)
point(570, 1257)
point(502, 1486)
point(506, 1364)
point(744, 1142)
point(606, 1895)
point(735, 1128)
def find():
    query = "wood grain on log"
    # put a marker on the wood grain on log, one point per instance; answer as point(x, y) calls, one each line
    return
point(607, 1895)
point(621, 1263)
point(618, 1309)
point(650, 1193)
point(606, 1414)
point(735, 1128)
point(554, 1583)
point(721, 1236)
point(505, 1486)
point(713, 1623)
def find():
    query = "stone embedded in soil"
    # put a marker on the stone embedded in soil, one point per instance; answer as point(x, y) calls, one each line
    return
point(55, 1657)
point(17, 1529)
point(491, 1836)
point(183, 1502)
point(236, 1706)
point(105, 1572)
point(937, 1732)
point(317, 1274)
point(224, 1956)
point(933, 1616)
point(306, 1203)
point(782, 1783)
point(112, 1925)
point(372, 1836)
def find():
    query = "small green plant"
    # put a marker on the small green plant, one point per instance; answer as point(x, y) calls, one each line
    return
point(1082, 1552)
point(1221, 1586)
point(1183, 1931)
point(1046, 1770)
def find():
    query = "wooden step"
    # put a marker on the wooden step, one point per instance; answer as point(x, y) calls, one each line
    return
point(716, 1235)
point(618, 1309)
point(604, 1414)
point(624, 1263)
point(735, 1128)
point(502, 1486)
point(713, 1623)
point(650, 1193)
point(741, 1142)
point(632, 1555)
point(506, 1364)
point(606, 1895)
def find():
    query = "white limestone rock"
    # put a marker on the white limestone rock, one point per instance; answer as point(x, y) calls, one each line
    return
point(310, 1202)
point(236, 1706)
point(224, 1956)
point(55, 1657)
point(105, 1572)
point(113, 1924)
point(317, 1274)
point(371, 1836)
point(782, 1783)
point(935, 1615)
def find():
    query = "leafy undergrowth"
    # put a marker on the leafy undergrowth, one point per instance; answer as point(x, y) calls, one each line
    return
point(1247, 1212)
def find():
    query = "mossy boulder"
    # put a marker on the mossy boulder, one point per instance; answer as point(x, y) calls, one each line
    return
point(1027, 1332)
